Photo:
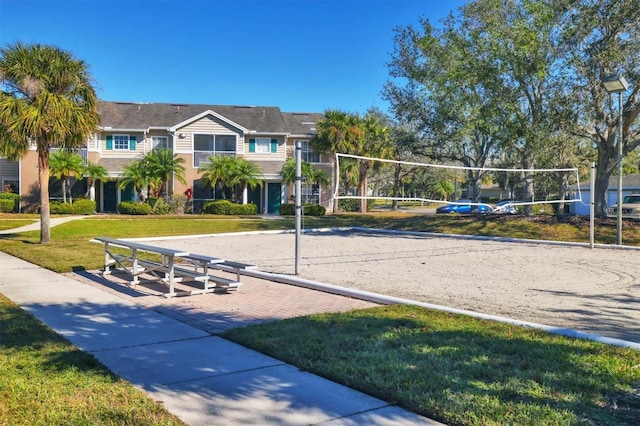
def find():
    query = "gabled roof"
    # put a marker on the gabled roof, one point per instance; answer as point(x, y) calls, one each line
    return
point(131, 115)
point(302, 123)
point(204, 114)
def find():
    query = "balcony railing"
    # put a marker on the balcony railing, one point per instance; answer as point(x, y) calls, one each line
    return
point(201, 157)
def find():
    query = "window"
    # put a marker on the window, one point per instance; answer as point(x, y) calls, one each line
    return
point(308, 154)
point(10, 185)
point(159, 142)
point(205, 146)
point(310, 194)
point(121, 142)
point(225, 143)
point(263, 145)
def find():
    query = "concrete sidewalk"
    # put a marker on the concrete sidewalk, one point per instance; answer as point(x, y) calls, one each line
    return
point(203, 379)
point(36, 225)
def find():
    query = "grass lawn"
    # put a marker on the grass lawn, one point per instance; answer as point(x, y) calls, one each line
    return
point(47, 381)
point(457, 369)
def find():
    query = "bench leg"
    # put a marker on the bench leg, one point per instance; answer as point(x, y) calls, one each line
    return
point(134, 270)
point(171, 274)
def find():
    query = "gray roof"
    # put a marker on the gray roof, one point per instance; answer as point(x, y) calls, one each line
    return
point(116, 165)
point(302, 123)
point(629, 182)
point(270, 167)
point(131, 115)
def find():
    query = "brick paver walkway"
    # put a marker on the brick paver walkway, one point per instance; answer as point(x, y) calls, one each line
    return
point(257, 300)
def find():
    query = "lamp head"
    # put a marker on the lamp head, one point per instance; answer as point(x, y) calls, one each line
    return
point(615, 83)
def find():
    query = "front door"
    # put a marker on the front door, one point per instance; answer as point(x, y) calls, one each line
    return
point(253, 197)
point(110, 190)
point(273, 203)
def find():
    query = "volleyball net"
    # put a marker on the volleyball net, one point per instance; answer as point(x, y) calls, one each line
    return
point(411, 181)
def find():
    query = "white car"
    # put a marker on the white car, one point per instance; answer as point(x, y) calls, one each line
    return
point(630, 207)
point(505, 207)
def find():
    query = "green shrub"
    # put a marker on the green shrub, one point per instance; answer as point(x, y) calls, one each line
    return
point(131, 207)
point(84, 206)
point(14, 198)
point(353, 205)
point(80, 206)
point(287, 209)
point(158, 206)
point(314, 210)
point(58, 207)
point(307, 210)
point(226, 207)
point(6, 205)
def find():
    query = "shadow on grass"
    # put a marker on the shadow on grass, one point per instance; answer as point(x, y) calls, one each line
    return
point(459, 370)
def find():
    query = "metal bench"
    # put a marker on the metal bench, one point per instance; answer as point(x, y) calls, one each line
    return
point(167, 270)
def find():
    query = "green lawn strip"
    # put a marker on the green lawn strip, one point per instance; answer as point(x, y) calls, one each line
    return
point(6, 223)
point(458, 369)
point(46, 380)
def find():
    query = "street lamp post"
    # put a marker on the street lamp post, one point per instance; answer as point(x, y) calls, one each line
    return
point(617, 84)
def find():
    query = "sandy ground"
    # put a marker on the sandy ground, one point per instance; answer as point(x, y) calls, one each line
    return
point(590, 290)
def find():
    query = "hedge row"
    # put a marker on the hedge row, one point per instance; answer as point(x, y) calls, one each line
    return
point(131, 207)
point(226, 207)
point(9, 202)
point(81, 206)
point(349, 205)
point(307, 210)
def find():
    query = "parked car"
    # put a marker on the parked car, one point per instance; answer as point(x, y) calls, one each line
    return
point(630, 207)
point(462, 207)
point(505, 207)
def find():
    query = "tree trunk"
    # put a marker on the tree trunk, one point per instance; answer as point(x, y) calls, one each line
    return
point(64, 190)
point(336, 177)
point(396, 186)
point(564, 177)
point(43, 168)
point(474, 181)
point(527, 185)
point(69, 189)
point(362, 186)
point(605, 166)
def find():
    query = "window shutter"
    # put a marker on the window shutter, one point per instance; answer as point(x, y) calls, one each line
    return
point(274, 145)
point(109, 143)
point(132, 143)
point(252, 145)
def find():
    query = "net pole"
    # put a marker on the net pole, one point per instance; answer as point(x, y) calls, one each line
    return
point(592, 189)
point(336, 183)
point(298, 200)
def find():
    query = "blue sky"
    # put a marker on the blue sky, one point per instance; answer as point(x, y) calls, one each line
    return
point(299, 55)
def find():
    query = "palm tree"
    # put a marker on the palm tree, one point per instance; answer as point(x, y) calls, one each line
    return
point(246, 174)
point(215, 172)
point(375, 143)
point(135, 174)
point(337, 131)
point(161, 164)
point(47, 97)
point(62, 165)
point(311, 175)
point(93, 172)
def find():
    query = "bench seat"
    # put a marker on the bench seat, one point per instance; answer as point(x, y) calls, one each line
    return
point(176, 266)
point(194, 274)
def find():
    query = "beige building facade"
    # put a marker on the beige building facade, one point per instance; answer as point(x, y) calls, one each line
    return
point(129, 130)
